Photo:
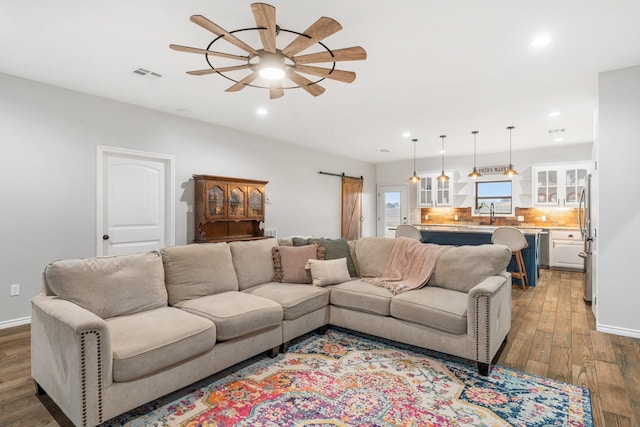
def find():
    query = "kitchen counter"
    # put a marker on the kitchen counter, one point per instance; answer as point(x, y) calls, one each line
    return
point(486, 229)
point(481, 234)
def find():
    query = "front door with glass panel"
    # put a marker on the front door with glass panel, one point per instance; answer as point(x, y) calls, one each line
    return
point(392, 209)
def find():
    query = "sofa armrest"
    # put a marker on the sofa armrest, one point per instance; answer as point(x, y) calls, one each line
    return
point(70, 357)
point(489, 314)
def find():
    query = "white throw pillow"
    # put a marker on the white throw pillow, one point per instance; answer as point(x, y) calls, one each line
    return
point(329, 272)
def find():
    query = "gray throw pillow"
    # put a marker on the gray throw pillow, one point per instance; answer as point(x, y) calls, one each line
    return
point(336, 249)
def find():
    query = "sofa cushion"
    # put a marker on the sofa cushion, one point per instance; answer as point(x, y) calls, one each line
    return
point(290, 263)
point(296, 300)
point(150, 341)
point(252, 261)
point(437, 308)
point(110, 286)
point(463, 267)
point(362, 296)
point(235, 313)
point(372, 254)
point(335, 249)
point(193, 271)
point(328, 272)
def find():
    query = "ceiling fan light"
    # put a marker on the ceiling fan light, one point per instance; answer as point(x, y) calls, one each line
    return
point(271, 73)
point(271, 66)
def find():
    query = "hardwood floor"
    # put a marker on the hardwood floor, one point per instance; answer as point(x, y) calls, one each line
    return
point(552, 335)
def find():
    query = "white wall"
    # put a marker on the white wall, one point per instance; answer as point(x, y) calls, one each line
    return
point(398, 173)
point(618, 217)
point(48, 139)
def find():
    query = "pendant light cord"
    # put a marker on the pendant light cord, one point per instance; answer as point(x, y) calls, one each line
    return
point(475, 132)
point(414, 155)
point(443, 137)
point(510, 128)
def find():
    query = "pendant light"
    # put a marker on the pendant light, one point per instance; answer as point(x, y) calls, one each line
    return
point(414, 178)
point(443, 177)
point(511, 171)
point(475, 174)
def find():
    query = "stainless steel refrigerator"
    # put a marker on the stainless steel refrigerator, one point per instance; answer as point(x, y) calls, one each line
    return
point(585, 215)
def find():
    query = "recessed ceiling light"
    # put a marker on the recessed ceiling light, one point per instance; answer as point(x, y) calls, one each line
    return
point(554, 114)
point(541, 40)
point(406, 134)
point(261, 111)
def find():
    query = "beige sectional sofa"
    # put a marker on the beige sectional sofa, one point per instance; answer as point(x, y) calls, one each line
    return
point(109, 334)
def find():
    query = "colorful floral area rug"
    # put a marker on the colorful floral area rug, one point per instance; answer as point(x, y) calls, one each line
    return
point(347, 379)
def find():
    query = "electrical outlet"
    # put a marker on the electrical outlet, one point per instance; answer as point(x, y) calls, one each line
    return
point(426, 217)
point(543, 218)
point(520, 218)
point(15, 290)
point(455, 217)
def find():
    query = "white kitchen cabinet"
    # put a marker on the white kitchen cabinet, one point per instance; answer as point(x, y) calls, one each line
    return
point(559, 185)
point(433, 192)
point(565, 245)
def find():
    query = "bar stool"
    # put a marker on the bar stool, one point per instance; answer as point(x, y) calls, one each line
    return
point(410, 231)
point(513, 239)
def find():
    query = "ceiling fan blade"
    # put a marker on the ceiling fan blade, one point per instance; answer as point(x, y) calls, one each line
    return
point(219, 31)
point(318, 31)
point(243, 83)
point(355, 53)
point(275, 89)
point(306, 84)
point(218, 70)
point(265, 16)
point(207, 52)
point(342, 76)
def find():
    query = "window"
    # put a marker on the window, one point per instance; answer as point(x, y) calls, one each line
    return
point(496, 192)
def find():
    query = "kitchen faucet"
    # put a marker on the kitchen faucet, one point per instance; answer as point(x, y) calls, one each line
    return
point(492, 214)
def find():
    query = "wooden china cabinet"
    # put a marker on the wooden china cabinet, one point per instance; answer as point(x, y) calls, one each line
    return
point(228, 209)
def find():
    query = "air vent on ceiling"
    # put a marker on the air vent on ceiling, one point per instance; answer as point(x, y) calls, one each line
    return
point(143, 72)
point(556, 131)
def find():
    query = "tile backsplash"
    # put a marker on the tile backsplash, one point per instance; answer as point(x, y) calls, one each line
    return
point(554, 217)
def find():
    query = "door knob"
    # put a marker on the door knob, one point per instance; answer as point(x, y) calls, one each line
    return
point(105, 237)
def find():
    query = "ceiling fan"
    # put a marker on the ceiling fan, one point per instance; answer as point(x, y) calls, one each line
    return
point(273, 64)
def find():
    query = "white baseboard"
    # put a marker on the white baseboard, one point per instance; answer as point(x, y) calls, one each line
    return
point(15, 322)
point(615, 330)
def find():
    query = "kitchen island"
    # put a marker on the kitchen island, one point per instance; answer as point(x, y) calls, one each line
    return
point(481, 234)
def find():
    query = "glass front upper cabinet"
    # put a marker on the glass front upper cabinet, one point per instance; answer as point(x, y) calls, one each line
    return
point(433, 192)
point(559, 185)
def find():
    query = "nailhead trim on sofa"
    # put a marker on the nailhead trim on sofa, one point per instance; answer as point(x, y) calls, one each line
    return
point(487, 326)
point(83, 367)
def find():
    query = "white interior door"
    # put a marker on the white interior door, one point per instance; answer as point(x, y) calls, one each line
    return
point(135, 201)
point(392, 209)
